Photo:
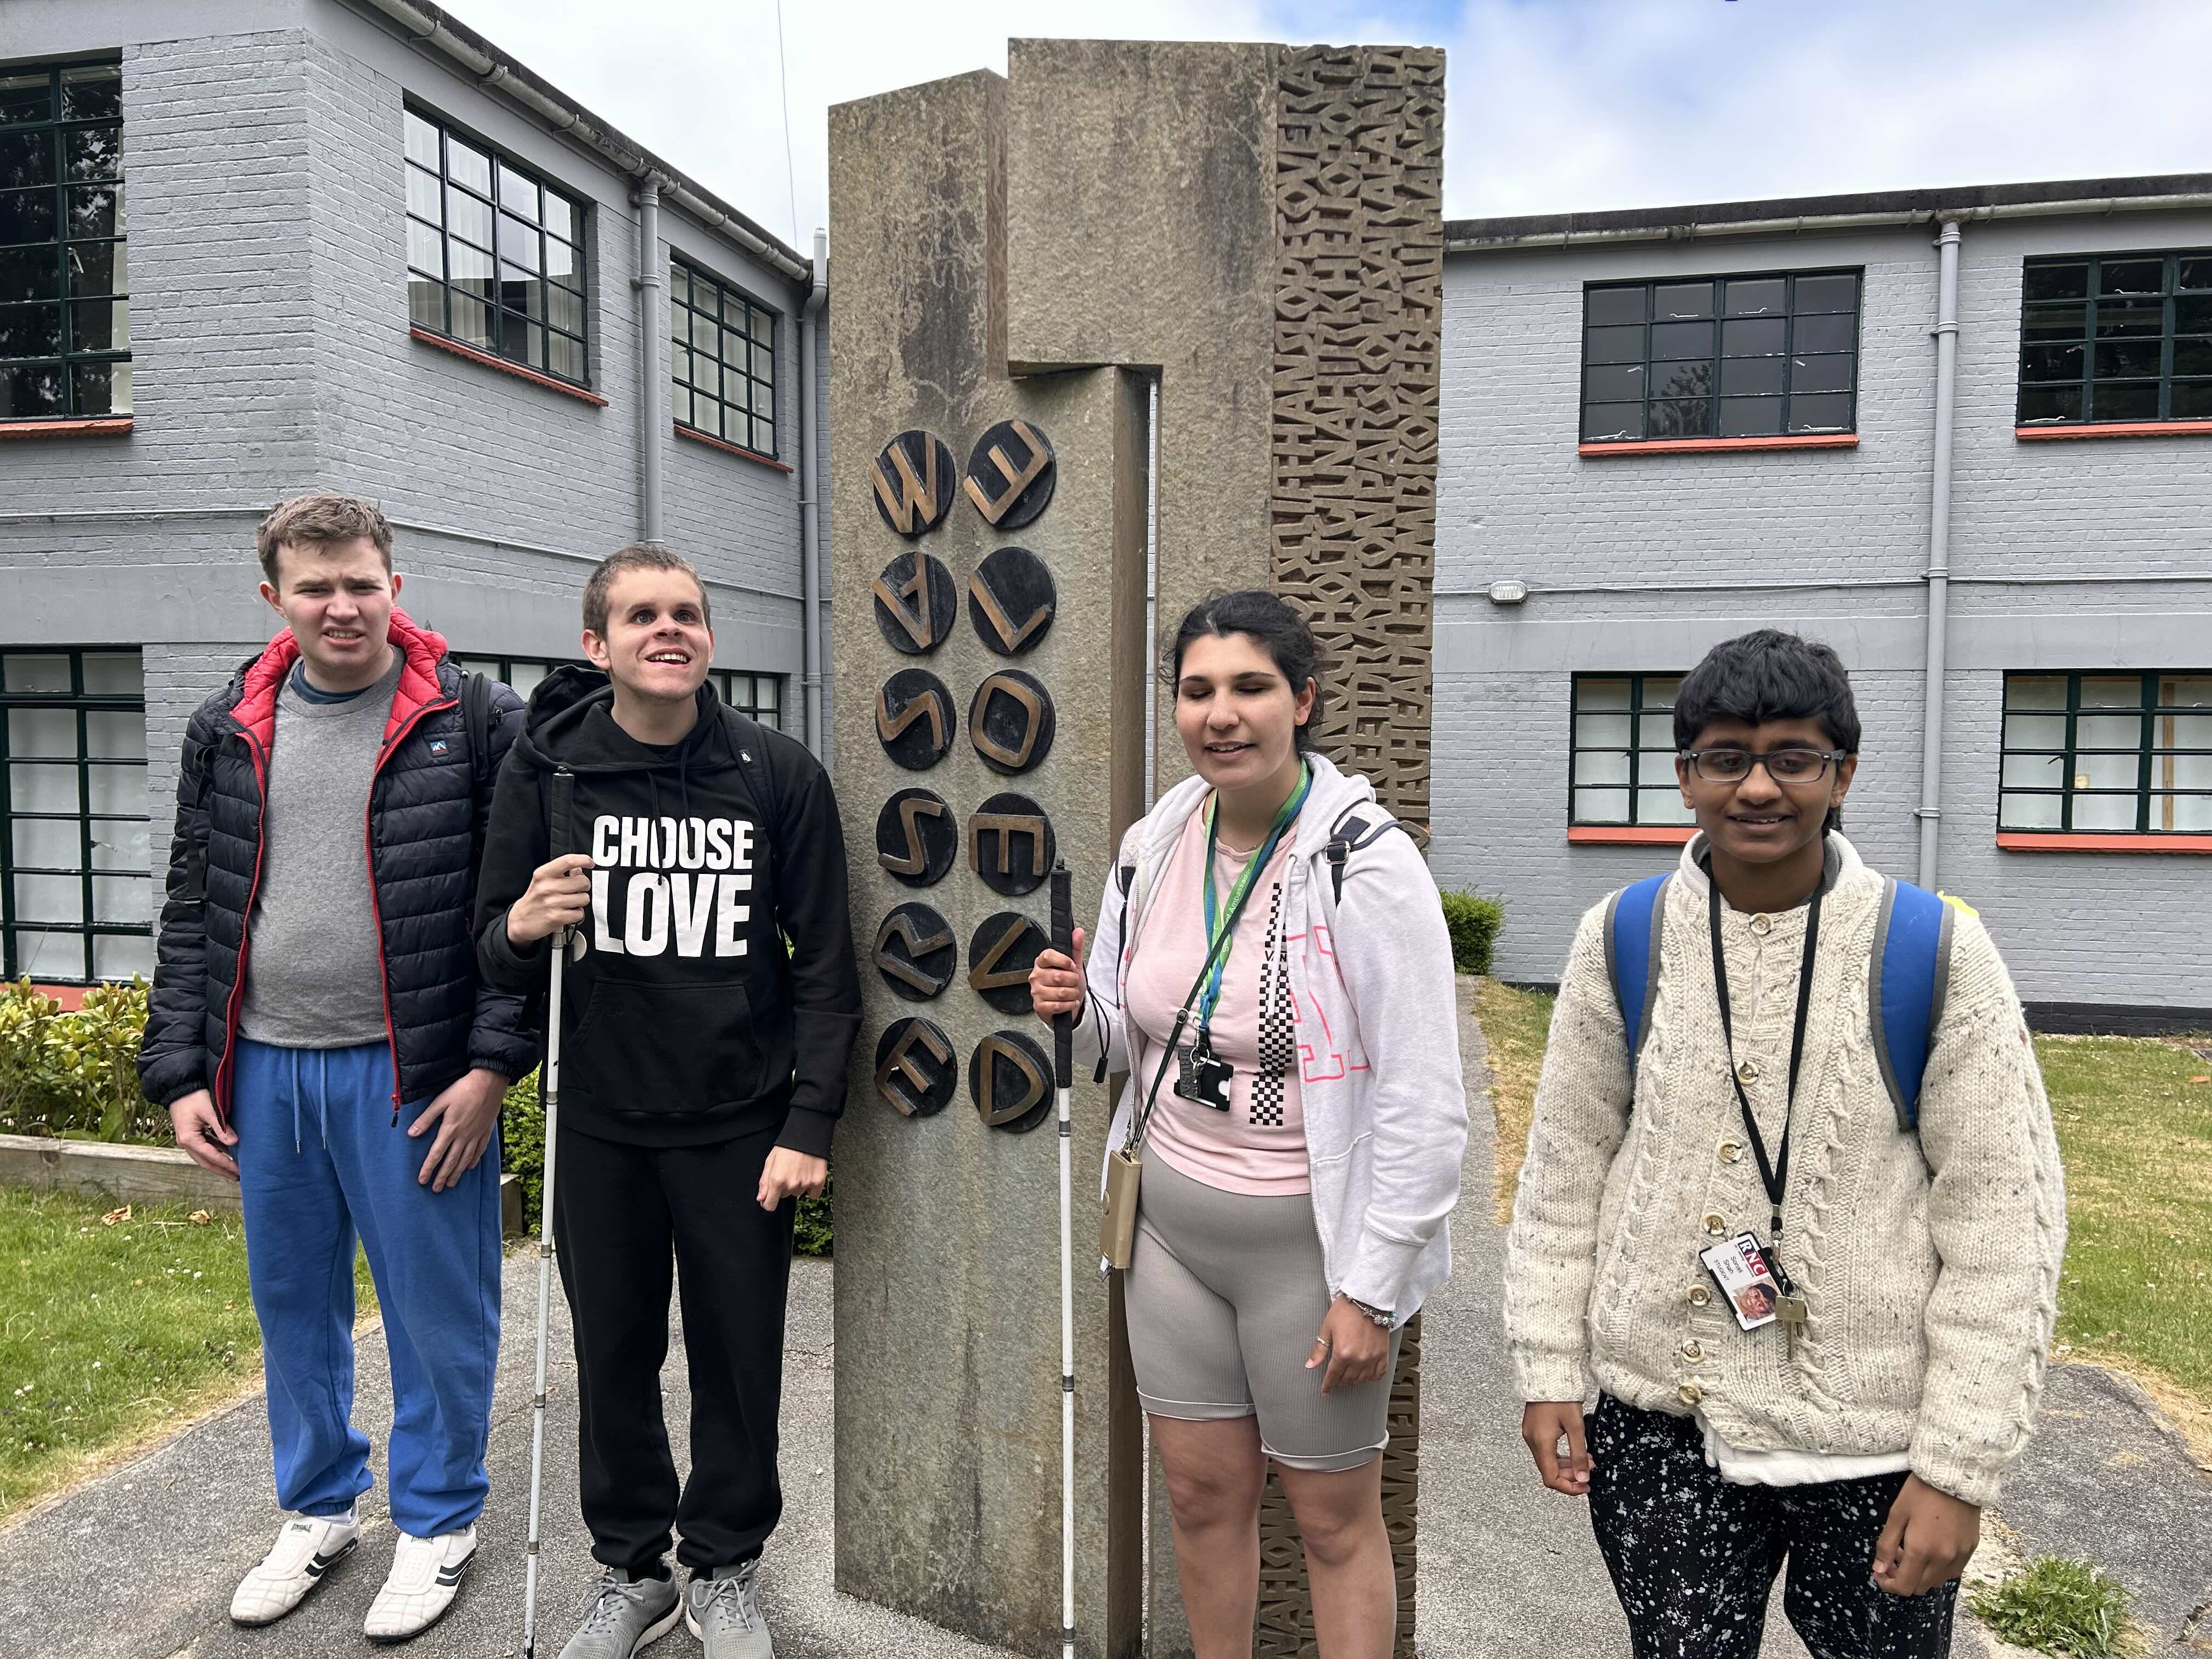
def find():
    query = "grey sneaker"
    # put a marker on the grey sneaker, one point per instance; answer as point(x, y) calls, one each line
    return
point(624, 1614)
point(723, 1611)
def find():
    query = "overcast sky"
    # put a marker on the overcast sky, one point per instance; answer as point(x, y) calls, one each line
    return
point(1552, 105)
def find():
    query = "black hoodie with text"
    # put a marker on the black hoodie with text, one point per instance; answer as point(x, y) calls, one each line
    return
point(684, 1019)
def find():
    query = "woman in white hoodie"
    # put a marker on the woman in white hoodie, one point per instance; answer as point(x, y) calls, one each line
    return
point(1275, 975)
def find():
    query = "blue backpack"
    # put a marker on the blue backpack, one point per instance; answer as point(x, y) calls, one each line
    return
point(1911, 972)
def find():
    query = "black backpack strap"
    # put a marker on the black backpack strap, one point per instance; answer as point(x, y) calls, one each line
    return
point(477, 723)
point(1351, 833)
point(749, 738)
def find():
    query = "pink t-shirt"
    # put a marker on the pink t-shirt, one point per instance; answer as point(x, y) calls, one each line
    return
point(1259, 1145)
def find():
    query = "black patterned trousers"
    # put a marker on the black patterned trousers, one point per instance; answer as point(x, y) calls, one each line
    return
point(1694, 1557)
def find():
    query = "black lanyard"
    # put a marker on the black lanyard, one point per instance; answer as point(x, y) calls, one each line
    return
point(1773, 1173)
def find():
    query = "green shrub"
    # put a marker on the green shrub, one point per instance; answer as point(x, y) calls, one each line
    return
point(522, 1153)
point(1473, 920)
point(2058, 1606)
point(75, 1073)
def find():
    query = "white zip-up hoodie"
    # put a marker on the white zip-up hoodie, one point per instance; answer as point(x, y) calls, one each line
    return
point(1377, 1031)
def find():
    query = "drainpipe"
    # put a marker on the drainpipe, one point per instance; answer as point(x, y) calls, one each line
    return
point(810, 496)
point(653, 378)
point(1939, 550)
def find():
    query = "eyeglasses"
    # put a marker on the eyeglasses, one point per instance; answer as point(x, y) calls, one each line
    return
point(1783, 765)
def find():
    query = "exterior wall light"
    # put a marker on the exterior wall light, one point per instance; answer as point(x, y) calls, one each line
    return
point(1508, 591)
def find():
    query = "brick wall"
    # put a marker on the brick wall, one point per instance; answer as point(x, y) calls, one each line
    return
point(1695, 535)
point(269, 318)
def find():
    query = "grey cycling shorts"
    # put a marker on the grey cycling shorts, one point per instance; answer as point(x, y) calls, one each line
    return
point(1225, 1294)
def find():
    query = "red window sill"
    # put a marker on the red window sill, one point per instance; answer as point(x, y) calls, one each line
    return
point(1714, 446)
point(89, 425)
point(506, 368)
point(1631, 834)
point(2029, 840)
point(2116, 429)
point(727, 447)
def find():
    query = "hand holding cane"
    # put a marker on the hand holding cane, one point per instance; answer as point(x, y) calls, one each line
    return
point(1063, 1077)
point(561, 840)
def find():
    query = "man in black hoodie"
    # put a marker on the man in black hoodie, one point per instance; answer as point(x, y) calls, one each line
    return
point(710, 1003)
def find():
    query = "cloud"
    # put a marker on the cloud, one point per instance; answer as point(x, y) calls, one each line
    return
point(1552, 105)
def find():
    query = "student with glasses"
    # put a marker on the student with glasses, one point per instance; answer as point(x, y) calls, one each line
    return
point(1813, 1303)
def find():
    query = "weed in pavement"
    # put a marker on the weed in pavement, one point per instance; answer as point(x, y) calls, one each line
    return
point(2059, 1605)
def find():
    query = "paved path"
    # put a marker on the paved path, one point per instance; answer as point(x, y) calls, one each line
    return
point(140, 1563)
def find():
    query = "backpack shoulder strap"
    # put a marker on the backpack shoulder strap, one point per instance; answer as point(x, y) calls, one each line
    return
point(1906, 985)
point(749, 738)
point(1635, 924)
point(476, 722)
point(1350, 832)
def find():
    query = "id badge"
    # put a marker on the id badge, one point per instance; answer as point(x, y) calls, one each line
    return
point(1201, 1076)
point(1747, 1283)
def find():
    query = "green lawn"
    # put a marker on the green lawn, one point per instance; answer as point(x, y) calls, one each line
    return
point(2135, 1130)
point(111, 1333)
point(2136, 1134)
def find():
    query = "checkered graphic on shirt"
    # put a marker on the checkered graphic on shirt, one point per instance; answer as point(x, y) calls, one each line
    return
point(1278, 1044)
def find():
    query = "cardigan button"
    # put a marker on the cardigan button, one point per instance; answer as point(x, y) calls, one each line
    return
point(1747, 1072)
point(1689, 1394)
point(1700, 1295)
point(1731, 1151)
point(1694, 1351)
point(1716, 1224)
point(1762, 924)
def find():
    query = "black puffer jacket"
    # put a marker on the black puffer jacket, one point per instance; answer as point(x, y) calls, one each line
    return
point(426, 821)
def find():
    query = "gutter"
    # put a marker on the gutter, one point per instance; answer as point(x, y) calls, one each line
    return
point(810, 497)
point(1812, 223)
point(1931, 811)
point(430, 26)
point(653, 378)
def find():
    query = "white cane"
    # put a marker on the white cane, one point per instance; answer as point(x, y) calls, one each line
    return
point(1063, 1077)
point(564, 784)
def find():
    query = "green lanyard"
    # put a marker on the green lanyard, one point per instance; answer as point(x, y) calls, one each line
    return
point(1218, 922)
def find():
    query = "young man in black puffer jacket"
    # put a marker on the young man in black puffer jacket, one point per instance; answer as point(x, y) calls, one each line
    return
point(319, 1034)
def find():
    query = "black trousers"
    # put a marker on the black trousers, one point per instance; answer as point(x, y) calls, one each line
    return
point(1694, 1557)
point(620, 1214)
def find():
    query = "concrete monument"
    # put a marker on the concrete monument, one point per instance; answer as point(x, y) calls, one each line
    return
point(1251, 235)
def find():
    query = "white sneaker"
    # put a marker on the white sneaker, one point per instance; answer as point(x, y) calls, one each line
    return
point(307, 1547)
point(425, 1575)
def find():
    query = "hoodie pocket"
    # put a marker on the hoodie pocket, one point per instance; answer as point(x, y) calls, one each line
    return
point(649, 1050)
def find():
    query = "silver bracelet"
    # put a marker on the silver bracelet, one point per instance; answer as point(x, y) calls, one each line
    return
point(1377, 1316)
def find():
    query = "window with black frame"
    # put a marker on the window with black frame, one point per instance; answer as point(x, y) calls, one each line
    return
point(494, 254)
point(722, 359)
point(1621, 759)
point(2116, 338)
point(76, 903)
point(1767, 355)
point(2116, 753)
point(760, 695)
point(65, 275)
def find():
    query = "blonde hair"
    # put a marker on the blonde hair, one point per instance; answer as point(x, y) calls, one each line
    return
point(320, 522)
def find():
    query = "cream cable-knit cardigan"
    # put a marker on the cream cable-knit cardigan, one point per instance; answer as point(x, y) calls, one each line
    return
point(1930, 1266)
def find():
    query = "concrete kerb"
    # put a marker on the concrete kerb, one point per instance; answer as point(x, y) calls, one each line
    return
point(104, 1169)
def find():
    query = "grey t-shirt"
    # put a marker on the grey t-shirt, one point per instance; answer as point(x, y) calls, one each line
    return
point(315, 972)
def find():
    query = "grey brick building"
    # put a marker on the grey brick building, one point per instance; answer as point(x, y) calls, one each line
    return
point(253, 247)
point(1666, 427)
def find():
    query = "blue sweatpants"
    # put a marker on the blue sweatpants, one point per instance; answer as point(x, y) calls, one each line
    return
point(318, 1161)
